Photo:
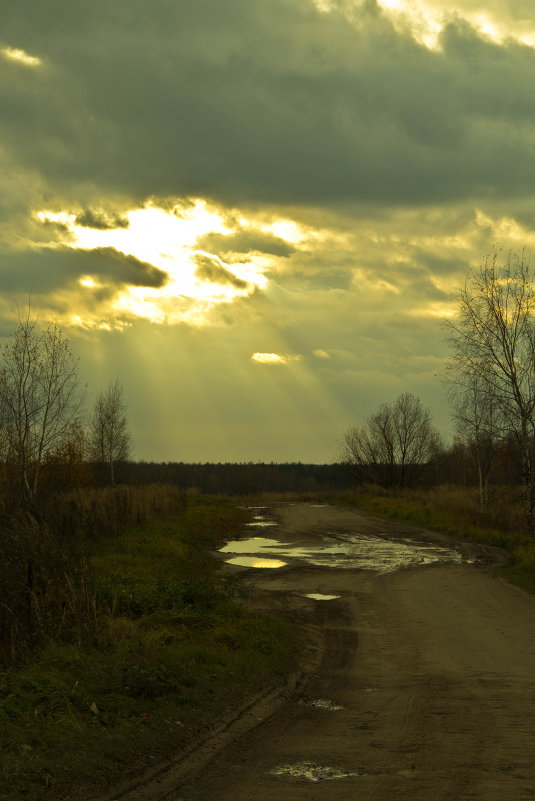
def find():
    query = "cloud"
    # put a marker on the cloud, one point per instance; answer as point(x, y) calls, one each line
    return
point(274, 358)
point(271, 103)
point(211, 268)
point(321, 354)
point(100, 220)
point(49, 269)
point(120, 268)
point(269, 358)
point(20, 57)
point(246, 241)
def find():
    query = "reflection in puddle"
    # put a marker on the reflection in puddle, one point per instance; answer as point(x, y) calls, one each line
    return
point(318, 596)
point(260, 521)
point(344, 550)
point(312, 772)
point(323, 703)
point(251, 545)
point(255, 561)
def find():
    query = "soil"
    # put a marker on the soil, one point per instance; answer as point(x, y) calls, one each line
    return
point(414, 684)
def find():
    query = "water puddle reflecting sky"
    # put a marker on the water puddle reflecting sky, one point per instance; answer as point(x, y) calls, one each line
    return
point(324, 703)
point(312, 772)
point(348, 550)
point(255, 561)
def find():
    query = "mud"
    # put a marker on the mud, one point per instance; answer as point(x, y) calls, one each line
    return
point(416, 683)
point(344, 547)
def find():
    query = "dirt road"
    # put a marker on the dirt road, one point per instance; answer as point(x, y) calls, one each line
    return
point(417, 683)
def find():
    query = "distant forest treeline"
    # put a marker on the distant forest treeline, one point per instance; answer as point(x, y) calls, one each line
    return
point(455, 465)
point(231, 478)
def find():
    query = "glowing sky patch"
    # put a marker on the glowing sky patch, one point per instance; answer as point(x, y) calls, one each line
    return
point(88, 282)
point(427, 20)
point(269, 358)
point(166, 240)
point(288, 230)
point(20, 57)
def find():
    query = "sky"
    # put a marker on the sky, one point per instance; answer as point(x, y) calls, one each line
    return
point(255, 213)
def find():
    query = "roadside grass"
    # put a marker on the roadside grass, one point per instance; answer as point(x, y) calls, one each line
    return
point(171, 650)
point(454, 510)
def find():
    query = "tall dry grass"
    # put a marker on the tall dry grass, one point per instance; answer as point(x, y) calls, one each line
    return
point(43, 590)
point(505, 511)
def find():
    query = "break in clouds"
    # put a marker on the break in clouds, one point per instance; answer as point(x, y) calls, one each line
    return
point(304, 179)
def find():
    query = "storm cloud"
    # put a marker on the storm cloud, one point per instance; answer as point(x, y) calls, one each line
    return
point(46, 269)
point(272, 102)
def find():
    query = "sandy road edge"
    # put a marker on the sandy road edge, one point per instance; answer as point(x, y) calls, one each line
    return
point(160, 781)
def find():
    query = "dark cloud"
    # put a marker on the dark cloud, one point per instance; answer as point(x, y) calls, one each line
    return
point(47, 269)
point(250, 101)
point(100, 220)
point(210, 269)
point(121, 268)
point(246, 242)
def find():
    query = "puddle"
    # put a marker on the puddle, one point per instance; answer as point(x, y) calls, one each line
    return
point(255, 561)
point(312, 772)
point(318, 596)
point(251, 545)
point(323, 703)
point(259, 520)
point(344, 550)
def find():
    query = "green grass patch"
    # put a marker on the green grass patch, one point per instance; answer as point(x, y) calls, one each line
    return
point(171, 649)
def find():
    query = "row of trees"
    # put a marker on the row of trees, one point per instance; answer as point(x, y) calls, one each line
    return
point(490, 379)
point(41, 411)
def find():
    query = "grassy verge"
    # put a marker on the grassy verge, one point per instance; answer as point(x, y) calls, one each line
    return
point(454, 511)
point(170, 650)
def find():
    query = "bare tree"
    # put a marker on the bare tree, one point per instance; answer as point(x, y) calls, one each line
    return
point(393, 446)
point(368, 449)
point(416, 439)
point(39, 398)
point(477, 420)
point(492, 340)
point(109, 434)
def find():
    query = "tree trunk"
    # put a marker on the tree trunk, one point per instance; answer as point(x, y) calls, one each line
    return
point(529, 488)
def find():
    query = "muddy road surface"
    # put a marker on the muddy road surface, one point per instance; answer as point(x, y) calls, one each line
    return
point(417, 679)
